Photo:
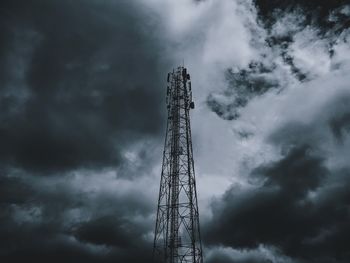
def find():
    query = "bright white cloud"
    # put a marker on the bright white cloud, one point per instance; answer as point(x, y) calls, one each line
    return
point(261, 253)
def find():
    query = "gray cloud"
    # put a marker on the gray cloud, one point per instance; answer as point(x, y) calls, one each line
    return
point(90, 77)
point(243, 86)
point(294, 33)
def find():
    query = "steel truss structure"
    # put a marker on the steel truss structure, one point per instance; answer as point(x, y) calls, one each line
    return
point(177, 234)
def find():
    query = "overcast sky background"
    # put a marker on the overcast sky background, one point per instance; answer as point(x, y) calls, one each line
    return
point(82, 125)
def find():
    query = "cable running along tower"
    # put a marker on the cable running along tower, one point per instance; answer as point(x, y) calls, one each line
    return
point(177, 235)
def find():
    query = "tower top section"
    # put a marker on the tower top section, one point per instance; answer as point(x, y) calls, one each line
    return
point(179, 88)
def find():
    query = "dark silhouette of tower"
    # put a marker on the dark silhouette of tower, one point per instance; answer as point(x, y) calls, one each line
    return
point(177, 235)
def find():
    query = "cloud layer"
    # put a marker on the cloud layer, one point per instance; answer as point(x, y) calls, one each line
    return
point(83, 115)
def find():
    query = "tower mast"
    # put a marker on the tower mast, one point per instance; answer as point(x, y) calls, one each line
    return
point(177, 234)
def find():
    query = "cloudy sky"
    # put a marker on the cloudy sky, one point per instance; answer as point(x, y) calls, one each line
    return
point(82, 125)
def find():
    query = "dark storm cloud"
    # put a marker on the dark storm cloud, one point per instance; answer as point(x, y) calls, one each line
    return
point(80, 82)
point(75, 77)
point(340, 125)
point(111, 231)
point(298, 204)
point(243, 86)
point(46, 246)
point(63, 222)
point(280, 213)
point(317, 11)
point(13, 191)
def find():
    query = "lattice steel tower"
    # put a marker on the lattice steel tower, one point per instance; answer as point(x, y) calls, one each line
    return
point(177, 235)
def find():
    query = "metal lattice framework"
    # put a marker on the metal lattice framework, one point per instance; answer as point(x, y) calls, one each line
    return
point(177, 234)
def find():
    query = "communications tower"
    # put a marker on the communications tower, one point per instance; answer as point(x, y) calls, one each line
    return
point(177, 234)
